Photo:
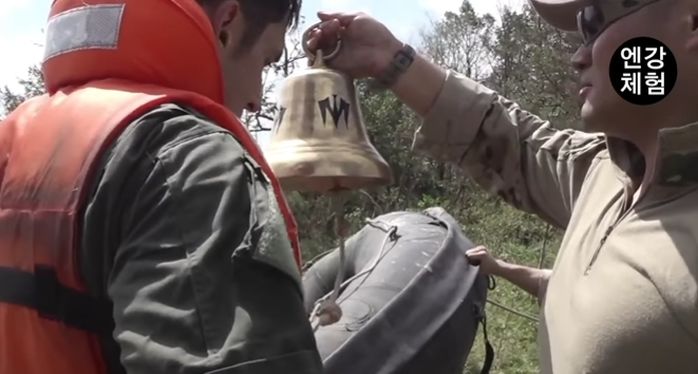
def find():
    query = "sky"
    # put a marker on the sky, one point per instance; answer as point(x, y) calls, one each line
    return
point(22, 24)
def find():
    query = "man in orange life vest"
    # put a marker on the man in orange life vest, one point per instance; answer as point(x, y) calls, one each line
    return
point(141, 230)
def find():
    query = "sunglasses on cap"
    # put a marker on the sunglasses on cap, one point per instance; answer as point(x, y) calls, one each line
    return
point(593, 19)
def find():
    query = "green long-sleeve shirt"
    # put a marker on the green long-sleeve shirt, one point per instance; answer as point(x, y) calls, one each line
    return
point(169, 236)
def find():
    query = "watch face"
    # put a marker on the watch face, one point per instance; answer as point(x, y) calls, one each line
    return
point(402, 60)
point(404, 57)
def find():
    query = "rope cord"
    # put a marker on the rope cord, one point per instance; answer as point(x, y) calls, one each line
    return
point(513, 311)
point(391, 235)
point(326, 311)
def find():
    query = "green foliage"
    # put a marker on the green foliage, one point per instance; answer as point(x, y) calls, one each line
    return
point(32, 85)
point(459, 40)
point(532, 66)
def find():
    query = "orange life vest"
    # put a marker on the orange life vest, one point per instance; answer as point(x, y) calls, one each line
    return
point(161, 51)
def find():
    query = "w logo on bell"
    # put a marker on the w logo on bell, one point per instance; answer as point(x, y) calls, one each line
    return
point(336, 107)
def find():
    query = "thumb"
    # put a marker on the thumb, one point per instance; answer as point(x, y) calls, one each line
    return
point(475, 250)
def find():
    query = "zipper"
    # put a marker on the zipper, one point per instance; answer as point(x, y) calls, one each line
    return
point(629, 209)
point(598, 249)
point(609, 230)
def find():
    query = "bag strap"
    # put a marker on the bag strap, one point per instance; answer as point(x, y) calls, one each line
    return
point(42, 292)
point(489, 350)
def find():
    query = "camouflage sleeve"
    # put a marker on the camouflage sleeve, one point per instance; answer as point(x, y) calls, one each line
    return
point(506, 150)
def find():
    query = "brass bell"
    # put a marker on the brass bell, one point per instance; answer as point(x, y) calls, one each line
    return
point(318, 141)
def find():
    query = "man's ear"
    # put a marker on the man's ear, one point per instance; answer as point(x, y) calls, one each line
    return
point(222, 18)
point(691, 8)
point(692, 42)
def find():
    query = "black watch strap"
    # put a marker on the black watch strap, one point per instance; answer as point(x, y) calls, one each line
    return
point(400, 63)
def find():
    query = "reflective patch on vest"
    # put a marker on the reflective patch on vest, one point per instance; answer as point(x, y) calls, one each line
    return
point(88, 27)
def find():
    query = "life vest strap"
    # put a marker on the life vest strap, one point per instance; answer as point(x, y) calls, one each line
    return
point(42, 292)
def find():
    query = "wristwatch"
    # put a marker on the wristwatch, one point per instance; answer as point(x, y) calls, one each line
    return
point(400, 63)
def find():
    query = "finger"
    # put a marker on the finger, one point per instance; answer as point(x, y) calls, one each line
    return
point(314, 38)
point(320, 38)
point(477, 256)
point(326, 32)
point(331, 27)
point(312, 45)
point(343, 17)
point(473, 260)
point(331, 35)
point(480, 248)
point(473, 255)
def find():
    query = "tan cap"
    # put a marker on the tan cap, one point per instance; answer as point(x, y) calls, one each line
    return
point(561, 14)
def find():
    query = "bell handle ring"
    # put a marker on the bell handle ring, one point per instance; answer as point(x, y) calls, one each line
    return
point(322, 57)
